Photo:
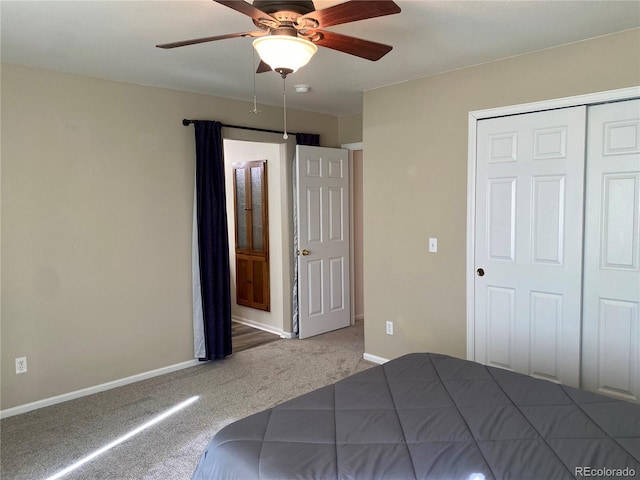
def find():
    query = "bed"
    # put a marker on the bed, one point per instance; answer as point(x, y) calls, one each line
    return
point(431, 416)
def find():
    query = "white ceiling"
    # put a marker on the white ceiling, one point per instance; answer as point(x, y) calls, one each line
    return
point(116, 40)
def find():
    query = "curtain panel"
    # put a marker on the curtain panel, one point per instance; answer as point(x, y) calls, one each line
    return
point(310, 139)
point(210, 247)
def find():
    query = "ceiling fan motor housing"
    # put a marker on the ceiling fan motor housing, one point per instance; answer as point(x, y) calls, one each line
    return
point(286, 12)
point(301, 7)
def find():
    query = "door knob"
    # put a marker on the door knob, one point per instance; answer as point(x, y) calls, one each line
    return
point(305, 252)
point(480, 272)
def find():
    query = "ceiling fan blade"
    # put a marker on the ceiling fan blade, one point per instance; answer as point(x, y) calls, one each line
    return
point(257, 33)
point(248, 9)
point(352, 11)
point(354, 46)
point(263, 67)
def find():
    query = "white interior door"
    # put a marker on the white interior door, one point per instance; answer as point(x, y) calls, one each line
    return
point(611, 329)
point(323, 240)
point(528, 248)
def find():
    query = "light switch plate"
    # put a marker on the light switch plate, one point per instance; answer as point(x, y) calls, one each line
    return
point(433, 245)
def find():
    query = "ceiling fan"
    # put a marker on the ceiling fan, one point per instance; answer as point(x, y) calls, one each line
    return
point(290, 30)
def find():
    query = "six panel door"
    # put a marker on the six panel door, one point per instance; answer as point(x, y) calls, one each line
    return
point(323, 240)
point(611, 328)
point(528, 248)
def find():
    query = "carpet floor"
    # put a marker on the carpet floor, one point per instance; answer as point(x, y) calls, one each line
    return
point(38, 444)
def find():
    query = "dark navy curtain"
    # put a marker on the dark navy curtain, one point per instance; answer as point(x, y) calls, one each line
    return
point(311, 139)
point(210, 230)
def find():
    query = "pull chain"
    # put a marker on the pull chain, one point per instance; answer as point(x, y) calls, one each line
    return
point(253, 72)
point(284, 103)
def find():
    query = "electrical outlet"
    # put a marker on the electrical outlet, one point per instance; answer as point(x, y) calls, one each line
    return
point(21, 365)
point(389, 328)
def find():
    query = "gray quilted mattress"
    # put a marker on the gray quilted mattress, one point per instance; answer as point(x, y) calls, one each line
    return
point(428, 416)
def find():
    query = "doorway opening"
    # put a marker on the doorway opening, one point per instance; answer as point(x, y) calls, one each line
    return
point(277, 318)
point(245, 146)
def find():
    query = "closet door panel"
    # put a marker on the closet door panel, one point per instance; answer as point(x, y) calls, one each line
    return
point(529, 203)
point(611, 329)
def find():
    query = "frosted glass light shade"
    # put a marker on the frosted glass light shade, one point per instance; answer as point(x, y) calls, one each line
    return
point(283, 52)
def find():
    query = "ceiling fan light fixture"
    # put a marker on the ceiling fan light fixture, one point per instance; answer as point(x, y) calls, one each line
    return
point(284, 53)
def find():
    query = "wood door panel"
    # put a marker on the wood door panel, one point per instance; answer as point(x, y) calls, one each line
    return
point(252, 285)
point(243, 281)
point(260, 271)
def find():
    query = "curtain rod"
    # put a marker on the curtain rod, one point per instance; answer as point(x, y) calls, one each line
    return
point(187, 122)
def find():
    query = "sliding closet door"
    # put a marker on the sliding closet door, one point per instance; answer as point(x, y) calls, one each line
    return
point(611, 329)
point(528, 253)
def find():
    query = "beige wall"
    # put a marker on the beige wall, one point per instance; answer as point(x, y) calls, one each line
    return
point(350, 128)
point(97, 194)
point(415, 174)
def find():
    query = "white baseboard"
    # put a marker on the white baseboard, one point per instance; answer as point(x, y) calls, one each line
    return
point(359, 317)
point(47, 402)
point(374, 358)
point(262, 326)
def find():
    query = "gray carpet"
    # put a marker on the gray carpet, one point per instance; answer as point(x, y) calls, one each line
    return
point(38, 444)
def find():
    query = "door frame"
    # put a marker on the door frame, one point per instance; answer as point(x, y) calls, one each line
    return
point(474, 117)
point(352, 147)
point(285, 205)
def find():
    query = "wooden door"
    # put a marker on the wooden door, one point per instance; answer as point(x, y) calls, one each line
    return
point(528, 248)
point(252, 234)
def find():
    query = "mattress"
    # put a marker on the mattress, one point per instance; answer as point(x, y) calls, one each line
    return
point(431, 416)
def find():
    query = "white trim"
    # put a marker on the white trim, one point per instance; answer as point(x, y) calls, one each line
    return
point(471, 237)
point(587, 99)
point(352, 244)
point(352, 270)
point(474, 117)
point(352, 277)
point(47, 402)
point(359, 317)
point(374, 358)
point(262, 326)
point(352, 146)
